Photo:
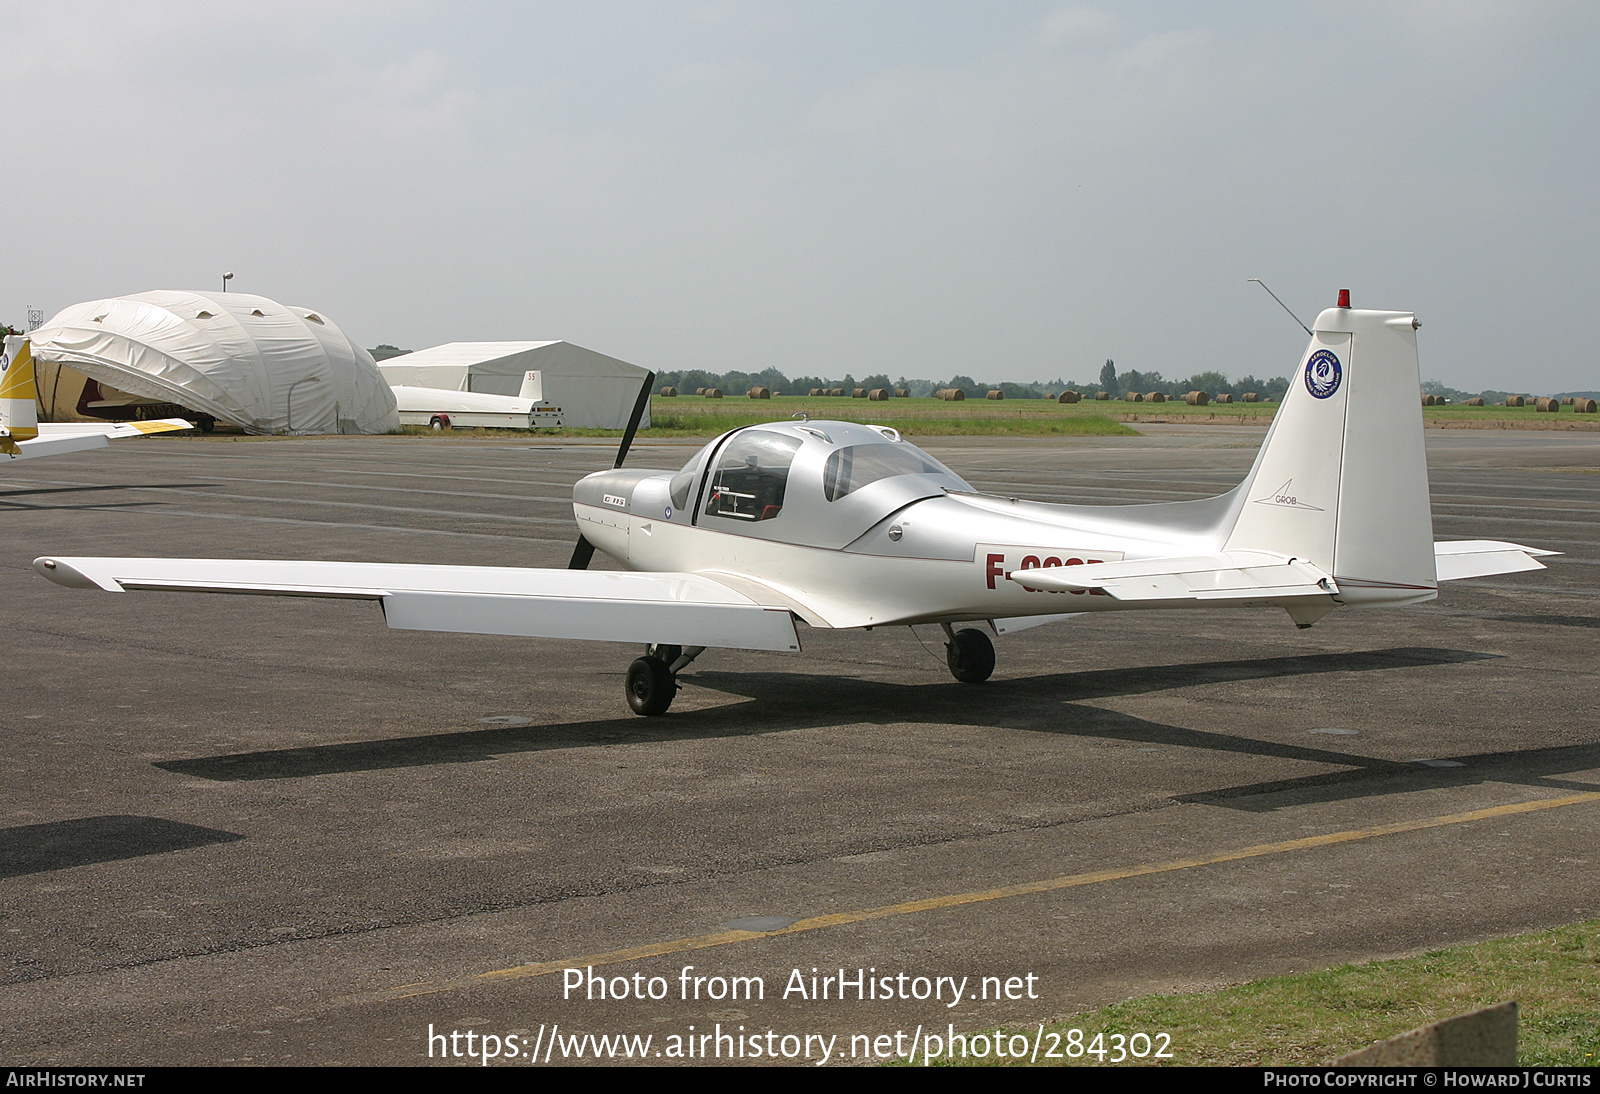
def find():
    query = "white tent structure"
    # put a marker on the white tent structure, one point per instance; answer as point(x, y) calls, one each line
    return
point(593, 391)
point(264, 366)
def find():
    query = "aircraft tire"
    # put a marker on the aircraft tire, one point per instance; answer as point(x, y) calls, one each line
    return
point(970, 656)
point(650, 686)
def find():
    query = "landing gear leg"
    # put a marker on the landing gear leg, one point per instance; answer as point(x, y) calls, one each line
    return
point(969, 653)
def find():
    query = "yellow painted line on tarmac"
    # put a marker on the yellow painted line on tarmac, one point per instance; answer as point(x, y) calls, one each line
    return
point(982, 896)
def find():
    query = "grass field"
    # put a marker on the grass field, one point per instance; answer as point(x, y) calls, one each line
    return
point(697, 416)
point(1315, 1017)
point(691, 414)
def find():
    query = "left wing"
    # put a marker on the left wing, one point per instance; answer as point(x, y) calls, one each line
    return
point(596, 605)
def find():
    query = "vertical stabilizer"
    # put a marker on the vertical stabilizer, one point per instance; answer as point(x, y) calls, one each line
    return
point(19, 407)
point(532, 386)
point(1342, 478)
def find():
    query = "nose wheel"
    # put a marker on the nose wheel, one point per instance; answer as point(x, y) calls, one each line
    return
point(970, 655)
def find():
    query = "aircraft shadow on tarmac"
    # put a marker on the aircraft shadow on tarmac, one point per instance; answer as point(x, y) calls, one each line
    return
point(35, 848)
point(8, 497)
point(1055, 703)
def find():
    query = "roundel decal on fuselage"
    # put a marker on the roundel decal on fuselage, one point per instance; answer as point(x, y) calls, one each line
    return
point(1323, 374)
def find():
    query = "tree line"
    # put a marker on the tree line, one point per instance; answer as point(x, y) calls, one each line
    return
point(1117, 383)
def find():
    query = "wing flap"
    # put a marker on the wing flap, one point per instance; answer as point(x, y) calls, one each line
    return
point(594, 605)
point(1233, 575)
point(726, 626)
point(1484, 557)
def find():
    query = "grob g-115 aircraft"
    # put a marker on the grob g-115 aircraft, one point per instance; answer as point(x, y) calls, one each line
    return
point(843, 525)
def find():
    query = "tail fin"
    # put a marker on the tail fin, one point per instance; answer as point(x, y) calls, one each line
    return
point(1341, 481)
point(19, 407)
point(532, 386)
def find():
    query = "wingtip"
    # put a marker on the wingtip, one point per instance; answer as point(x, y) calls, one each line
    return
point(64, 573)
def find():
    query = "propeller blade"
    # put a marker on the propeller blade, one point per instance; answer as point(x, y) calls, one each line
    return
point(582, 552)
point(639, 406)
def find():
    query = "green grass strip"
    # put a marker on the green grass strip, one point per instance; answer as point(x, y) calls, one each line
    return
point(1312, 1018)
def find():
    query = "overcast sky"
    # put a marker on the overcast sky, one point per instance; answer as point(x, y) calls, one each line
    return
point(1013, 191)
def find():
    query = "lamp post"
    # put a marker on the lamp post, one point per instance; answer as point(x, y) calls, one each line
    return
point(227, 277)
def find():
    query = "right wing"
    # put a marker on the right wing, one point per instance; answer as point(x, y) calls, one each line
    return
point(596, 605)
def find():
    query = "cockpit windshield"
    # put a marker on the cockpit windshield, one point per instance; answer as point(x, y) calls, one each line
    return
point(849, 469)
point(751, 477)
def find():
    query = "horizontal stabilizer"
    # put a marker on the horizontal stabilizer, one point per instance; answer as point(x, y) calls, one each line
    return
point(59, 446)
point(1229, 575)
point(1483, 558)
point(593, 605)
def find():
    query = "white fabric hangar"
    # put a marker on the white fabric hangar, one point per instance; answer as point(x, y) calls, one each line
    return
point(264, 366)
point(593, 391)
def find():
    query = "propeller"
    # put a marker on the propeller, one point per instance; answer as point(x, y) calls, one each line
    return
point(583, 551)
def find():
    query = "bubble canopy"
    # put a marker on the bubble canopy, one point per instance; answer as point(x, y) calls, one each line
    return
point(821, 484)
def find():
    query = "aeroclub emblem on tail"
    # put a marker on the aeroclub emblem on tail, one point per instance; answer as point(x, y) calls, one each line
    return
point(1323, 374)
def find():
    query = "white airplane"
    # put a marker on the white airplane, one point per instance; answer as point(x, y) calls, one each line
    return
point(22, 437)
point(845, 526)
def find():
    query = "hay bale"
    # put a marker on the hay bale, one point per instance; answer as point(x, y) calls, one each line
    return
point(1225, 397)
point(713, 393)
point(1155, 397)
point(1197, 398)
point(1583, 406)
point(858, 393)
point(837, 393)
point(995, 393)
point(902, 393)
point(669, 393)
point(1569, 401)
point(1516, 400)
point(1069, 396)
point(950, 394)
point(878, 395)
point(1476, 400)
point(699, 391)
point(1102, 396)
point(1250, 397)
point(1548, 406)
point(759, 393)
point(1132, 397)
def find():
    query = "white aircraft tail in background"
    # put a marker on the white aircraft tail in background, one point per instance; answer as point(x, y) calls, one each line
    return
point(22, 437)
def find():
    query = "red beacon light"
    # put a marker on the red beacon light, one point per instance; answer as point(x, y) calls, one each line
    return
point(1344, 298)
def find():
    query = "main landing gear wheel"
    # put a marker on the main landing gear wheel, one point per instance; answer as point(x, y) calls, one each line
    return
point(970, 656)
point(651, 686)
